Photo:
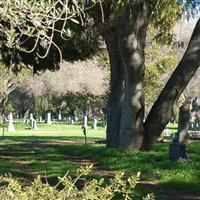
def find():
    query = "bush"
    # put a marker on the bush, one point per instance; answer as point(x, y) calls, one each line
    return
point(118, 188)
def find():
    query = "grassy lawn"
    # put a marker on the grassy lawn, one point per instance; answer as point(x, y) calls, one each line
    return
point(43, 151)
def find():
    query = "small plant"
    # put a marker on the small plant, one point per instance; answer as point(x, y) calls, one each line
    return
point(118, 188)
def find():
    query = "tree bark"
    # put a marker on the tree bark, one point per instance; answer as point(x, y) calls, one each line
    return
point(125, 42)
point(116, 88)
point(131, 36)
point(162, 110)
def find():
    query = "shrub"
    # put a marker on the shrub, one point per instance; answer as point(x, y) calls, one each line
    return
point(94, 189)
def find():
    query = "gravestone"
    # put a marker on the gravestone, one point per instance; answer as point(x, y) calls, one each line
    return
point(95, 123)
point(85, 121)
point(31, 122)
point(40, 119)
point(34, 125)
point(59, 115)
point(191, 125)
point(177, 149)
point(31, 116)
point(49, 121)
point(26, 117)
point(69, 120)
point(75, 118)
point(11, 127)
point(166, 133)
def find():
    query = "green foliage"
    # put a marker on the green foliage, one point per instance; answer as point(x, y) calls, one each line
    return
point(160, 63)
point(164, 17)
point(37, 31)
point(92, 189)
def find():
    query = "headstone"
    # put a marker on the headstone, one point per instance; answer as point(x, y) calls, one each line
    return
point(85, 121)
point(105, 125)
point(40, 119)
point(69, 119)
point(72, 121)
point(49, 119)
point(26, 116)
point(166, 133)
point(75, 118)
point(31, 116)
point(190, 125)
point(177, 149)
point(31, 122)
point(11, 127)
point(59, 115)
point(34, 126)
point(95, 123)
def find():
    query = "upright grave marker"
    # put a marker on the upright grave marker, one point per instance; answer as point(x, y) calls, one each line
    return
point(95, 123)
point(11, 127)
point(49, 119)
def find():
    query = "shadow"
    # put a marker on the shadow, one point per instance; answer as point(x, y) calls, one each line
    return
point(28, 156)
point(47, 138)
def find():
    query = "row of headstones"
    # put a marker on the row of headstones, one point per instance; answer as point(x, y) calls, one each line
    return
point(194, 125)
point(33, 122)
point(95, 122)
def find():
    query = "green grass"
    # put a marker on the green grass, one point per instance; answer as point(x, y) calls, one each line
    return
point(53, 132)
point(21, 155)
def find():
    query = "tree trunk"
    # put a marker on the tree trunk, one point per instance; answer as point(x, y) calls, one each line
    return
point(162, 110)
point(125, 43)
point(116, 90)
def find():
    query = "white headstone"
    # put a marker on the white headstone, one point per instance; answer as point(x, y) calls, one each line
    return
point(59, 115)
point(11, 127)
point(166, 133)
point(40, 119)
point(69, 119)
point(75, 118)
point(72, 121)
point(31, 122)
point(49, 118)
point(95, 123)
point(34, 126)
point(31, 116)
point(85, 121)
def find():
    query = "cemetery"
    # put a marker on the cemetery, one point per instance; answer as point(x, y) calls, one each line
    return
point(99, 100)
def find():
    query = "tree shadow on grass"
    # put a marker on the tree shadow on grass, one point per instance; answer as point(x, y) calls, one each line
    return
point(28, 156)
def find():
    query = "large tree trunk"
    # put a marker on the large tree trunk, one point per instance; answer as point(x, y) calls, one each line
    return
point(125, 43)
point(116, 86)
point(162, 110)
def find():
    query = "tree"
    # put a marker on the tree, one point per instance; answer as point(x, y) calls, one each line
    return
point(8, 82)
point(123, 28)
point(162, 109)
point(126, 52)
point(79, 82)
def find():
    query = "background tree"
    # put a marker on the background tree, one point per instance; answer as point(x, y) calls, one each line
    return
point(72, 88)
point(8, 82)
